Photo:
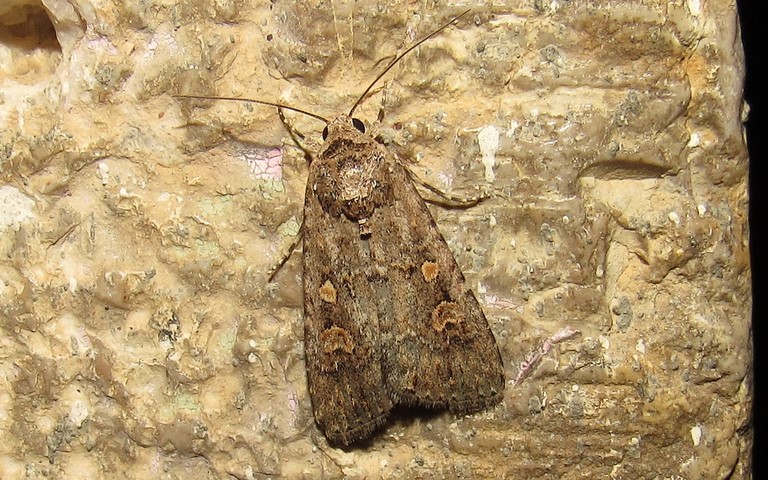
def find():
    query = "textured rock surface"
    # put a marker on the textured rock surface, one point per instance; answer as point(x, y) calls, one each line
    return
point(141, 338)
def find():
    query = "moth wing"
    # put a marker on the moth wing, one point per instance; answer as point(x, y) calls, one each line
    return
point(350, 398)
point(437, 347)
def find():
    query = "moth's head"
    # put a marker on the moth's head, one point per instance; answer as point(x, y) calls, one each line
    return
point(344, 125)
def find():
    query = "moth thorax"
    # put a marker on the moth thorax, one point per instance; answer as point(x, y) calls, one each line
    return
point(356, 186)
point(355, 180)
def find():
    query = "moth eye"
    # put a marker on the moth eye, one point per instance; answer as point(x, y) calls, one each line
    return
point(325, 133)
point(358, 125)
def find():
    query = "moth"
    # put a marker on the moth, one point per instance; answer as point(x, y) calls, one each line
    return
point(389, 318)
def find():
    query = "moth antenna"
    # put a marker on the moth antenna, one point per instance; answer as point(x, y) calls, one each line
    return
point(262, 102)
point(397, 59)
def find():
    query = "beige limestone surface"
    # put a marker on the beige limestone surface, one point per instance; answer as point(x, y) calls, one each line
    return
point(141, 337)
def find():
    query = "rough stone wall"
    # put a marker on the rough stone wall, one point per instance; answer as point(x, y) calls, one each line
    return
point(140, 336)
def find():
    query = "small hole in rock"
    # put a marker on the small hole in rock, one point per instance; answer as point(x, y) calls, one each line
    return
point(29, 49)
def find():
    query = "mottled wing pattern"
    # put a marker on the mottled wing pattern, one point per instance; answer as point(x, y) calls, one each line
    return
point(389, 318)
point(446, 354)
point(349, 395)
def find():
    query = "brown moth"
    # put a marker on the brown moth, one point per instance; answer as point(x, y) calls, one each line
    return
point(388, 317)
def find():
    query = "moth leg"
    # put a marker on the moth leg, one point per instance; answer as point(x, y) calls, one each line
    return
point(382, 107)
point(297, 137)
point(273, 271)
point(448, 199)
point(374, 128)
